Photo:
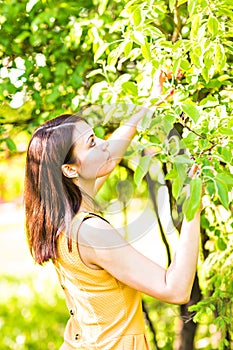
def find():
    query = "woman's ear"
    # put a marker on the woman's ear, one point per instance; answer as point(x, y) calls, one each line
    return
point(69, 170)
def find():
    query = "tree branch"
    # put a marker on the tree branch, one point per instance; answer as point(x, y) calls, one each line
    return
point(177, 22)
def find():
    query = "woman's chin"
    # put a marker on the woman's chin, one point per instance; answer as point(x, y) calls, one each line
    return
point(107, 168)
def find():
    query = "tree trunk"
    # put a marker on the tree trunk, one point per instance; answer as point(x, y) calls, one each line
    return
point(188, 327)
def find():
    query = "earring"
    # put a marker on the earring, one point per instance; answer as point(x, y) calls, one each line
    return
point(77, 176)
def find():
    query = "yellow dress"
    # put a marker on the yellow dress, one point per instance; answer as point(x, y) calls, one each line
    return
point(104, 312)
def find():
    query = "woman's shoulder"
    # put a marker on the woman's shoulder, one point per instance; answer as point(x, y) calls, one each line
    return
point(97, 232)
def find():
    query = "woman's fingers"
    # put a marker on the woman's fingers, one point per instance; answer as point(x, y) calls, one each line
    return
point(194, 171)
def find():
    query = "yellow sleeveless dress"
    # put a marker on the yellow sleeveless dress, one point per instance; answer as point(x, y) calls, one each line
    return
point(104, 312)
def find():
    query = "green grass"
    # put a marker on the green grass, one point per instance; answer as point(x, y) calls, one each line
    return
point(33, 314)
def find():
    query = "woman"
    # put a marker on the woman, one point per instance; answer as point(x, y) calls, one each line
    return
point(101, 274)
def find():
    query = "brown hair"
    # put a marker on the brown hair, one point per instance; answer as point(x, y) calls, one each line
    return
point(51, 199)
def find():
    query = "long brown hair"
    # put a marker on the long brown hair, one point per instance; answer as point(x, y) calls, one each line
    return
point(51, 199)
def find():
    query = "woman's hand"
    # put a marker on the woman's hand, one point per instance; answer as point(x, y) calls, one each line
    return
point(194, 171)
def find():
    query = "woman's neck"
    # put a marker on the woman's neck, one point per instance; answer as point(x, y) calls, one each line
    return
point(88, 194)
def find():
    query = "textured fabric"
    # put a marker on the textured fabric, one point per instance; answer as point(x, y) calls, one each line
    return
point(104, 313)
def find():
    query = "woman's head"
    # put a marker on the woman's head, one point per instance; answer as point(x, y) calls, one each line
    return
point(51, 198)
point(60, 151)
point(89, 158)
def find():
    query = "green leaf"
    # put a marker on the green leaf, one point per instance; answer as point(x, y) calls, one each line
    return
point(222, 191)
point(124, 190)
point(178, 183)
point(10, 144)
point(100, 51)
point(102, 6)
point(192, 5)
point(204, 222)
point(196, 59)
point(122, 79)
point(138, 37)
point(183, 159)
point(219, 58)
point(209, 101)
point(226, 153)
point(146, 51)
point(213, 25)
point(185, 64)
point(196, 23)
point(205, 73)
point(191, 111)
point(224, 77)
point(208, 57)
point(130, 88)
point(96, 90)
point(137, 17)
point(134, 53)
point(113, 57)
point(115, 54)
point(22, 36)
point(172, 5)
point(226, 131)
point(94, 72)
point(127, 47)
point(193, 202)
point(142, 169)
point(181, 2)
point(61, 69)
point(99, 132)
point(210, 187)
point(226, 178)
point(221, 244)
point(55, 94)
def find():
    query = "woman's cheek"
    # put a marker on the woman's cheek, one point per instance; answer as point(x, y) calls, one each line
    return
point(92, 165)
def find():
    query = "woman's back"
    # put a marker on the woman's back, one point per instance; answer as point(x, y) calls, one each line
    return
point(105, 313)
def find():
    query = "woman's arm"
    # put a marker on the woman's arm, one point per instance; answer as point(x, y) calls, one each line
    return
point(122, 137)
point(101, 246)
point(119, 142)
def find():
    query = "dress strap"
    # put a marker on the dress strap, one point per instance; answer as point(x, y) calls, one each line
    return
point(77, 221)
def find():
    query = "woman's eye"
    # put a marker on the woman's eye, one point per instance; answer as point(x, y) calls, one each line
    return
point(92, 142)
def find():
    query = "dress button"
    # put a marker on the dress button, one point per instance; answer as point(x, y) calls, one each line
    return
point(76, 336)
point(71, 312)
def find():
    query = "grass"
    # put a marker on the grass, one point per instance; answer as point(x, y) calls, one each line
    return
point(33, 314)
point(33, 311)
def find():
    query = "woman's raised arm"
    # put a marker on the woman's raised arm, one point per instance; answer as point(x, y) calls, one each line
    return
point(122, 136)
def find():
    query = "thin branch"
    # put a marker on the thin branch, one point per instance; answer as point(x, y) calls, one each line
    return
point(207, 150)
point(177, 22)
point(150, 325)
point(196, 133)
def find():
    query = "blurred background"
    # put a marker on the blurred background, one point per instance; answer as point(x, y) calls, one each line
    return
point(58, 57)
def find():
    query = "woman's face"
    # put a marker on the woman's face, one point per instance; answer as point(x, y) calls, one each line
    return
point(92, 154)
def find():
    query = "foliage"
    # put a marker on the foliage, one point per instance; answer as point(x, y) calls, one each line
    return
point(58, 57)
point(32, 318)
point(165, 319)
point(216, 275)
point(11, 175)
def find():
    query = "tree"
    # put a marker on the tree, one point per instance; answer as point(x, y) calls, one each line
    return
point(60, 57)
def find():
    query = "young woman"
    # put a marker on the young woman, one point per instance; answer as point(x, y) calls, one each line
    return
point(101, 274)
